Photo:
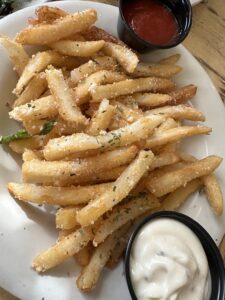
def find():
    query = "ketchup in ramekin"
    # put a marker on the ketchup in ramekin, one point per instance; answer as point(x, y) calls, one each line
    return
point(154, 24)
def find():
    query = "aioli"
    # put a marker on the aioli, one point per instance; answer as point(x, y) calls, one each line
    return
point(168, 262)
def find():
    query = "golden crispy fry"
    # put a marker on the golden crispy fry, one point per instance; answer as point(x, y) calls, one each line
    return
point(152, 99)
point(38, 63)
point(170, 181)
point(124, 213)
point(16, 53)
point(84, 255)
point(62, 250)
point(67, 108)
point(222, 248)
point(175, 134)
point(43, 34)
point(65, 218)
point(214, 193)
point(212, 187)
point(130, 86)
point(65, 196)
point(120, 248)
point(105, 176)
point(125, 114)
point(95, 34)
point(77, 48)
point(34, 127)
point(174, 200)
point(92, 66)
point(168, 124)
point(125, 56)
point(164, 159)
point(29, 155)
point(120, 189)
point(64, 233)
point(34, 143)
point(159, 70)
point(84, 88)
point(35, 88)
point(170, 60)
point(179, 112)
point(90, 274)
point(72, 172)
point(182, 94)
point(47, 14)
point(102, 119)
point(60, 147)
point(38, 109)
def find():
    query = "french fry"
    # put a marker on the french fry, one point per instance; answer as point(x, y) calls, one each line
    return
point(214, 193)
point(34, 143)
point(67, 108)
point(119, 249)
point(29, 155)
point(77, 48)
point(62, 250)
point(65, 218)
point(182, 94)
point(84, 255)
point(16, 53)
point(125, 56)
point(38, 109)
point(222, 247)
point(105, 176)
point(34, 127)
point(64, 233)
point(95, 34)
point(159, 70)
point(168, 124)
point(125, 112)
point(65, 196)
point(170, 60)
point(130, 86)
point(38, 63)
point(151, 99)
point(174, 200)
point(175, 134)
point(211, 184)
point(124, 213)
point(43, 34)
point(170, 181)
point(90, 274)
point(72, 172)
point(120, 189)
point(64, 146)
point(102, 119)
point(179, 112)
point(92, 66)
point(84, 88)
point(164, 159)
point(35, 88)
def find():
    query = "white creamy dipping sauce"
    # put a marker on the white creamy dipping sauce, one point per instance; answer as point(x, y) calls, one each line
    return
point(168, 262)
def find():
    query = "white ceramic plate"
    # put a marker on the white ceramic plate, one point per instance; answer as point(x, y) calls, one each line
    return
point(26, 230)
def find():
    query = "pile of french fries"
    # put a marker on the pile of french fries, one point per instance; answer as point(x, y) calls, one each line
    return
point(111, 155)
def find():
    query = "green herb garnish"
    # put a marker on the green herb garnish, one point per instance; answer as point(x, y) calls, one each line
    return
point(23, 134)
point(20, 134)
point(47, 127)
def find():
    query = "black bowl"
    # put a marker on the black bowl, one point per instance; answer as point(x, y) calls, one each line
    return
point(182, 11)
point(215, 261)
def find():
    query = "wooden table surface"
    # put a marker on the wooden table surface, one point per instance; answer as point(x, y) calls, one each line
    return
point(206, 42)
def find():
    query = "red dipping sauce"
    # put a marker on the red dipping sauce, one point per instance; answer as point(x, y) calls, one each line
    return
point(151, 20)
